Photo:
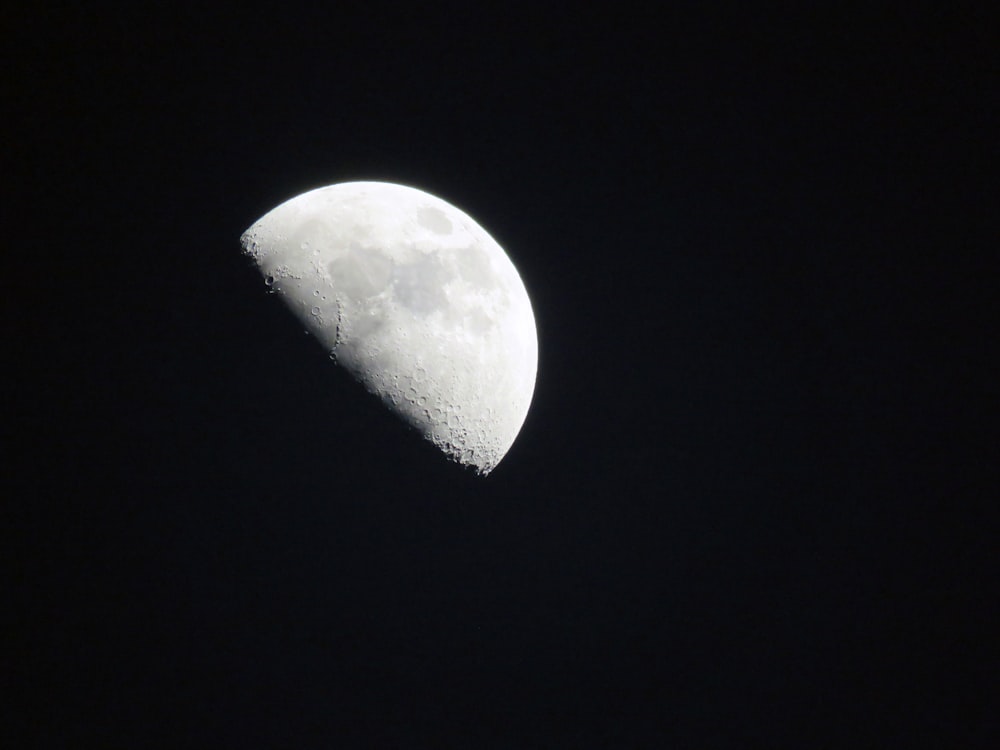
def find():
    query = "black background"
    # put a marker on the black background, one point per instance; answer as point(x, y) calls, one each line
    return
point(752, 504)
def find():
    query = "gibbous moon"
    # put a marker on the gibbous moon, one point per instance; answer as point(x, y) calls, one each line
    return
point(416, 301)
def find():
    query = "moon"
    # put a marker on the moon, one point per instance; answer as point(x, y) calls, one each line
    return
point(416, 300)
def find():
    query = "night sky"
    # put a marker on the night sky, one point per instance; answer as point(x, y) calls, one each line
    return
point(753, 504)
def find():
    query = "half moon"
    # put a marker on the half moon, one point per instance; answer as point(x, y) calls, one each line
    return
point(416, 301)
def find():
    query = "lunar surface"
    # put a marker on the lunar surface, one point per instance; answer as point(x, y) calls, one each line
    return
point(416, 301)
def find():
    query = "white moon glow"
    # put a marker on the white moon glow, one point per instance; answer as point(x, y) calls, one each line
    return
point(416, 301)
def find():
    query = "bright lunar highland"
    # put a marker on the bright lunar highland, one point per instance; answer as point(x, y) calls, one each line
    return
point(416, 301)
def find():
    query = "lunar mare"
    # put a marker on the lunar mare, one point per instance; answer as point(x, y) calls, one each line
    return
point(416, 301)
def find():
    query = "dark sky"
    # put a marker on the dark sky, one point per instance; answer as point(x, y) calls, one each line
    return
point(753, 503)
